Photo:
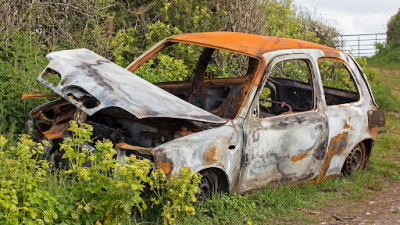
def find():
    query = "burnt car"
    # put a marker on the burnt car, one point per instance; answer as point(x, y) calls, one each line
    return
point(243, 110)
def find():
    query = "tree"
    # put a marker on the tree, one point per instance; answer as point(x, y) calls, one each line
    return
point(393, 29)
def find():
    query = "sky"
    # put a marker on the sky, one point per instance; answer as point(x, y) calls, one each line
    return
point(354, 16)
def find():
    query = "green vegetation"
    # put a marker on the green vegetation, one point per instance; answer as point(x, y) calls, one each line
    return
point(121, 30)
point(107, 192)
point(388, 54)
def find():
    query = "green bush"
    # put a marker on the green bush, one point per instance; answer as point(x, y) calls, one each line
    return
point(389, 52)
point(121, 31)
point(382, 94)
point(393, 29)
point(107, 192)
point(20, 63)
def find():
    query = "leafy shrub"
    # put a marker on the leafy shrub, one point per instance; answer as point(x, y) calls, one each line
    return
point(389, 52)
point(107, 192)
point(393, 29)
point(121, 31)
point(20, 64)
point(383, 95)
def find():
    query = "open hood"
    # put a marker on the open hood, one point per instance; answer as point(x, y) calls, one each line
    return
point(92, 83)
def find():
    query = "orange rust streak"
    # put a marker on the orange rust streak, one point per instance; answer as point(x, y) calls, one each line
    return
point(165, 166)
point(56, 131)
point(233, 125)
point(299, 157)
point(331, 53)
point(210, 155)
point(184, 133)
point(336, 146)
point(373, 132)
point(47, 95)
point(142, 150)
point(250, 44)
point(322, 179)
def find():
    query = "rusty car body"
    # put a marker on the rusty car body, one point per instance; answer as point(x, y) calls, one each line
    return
point(219, 127)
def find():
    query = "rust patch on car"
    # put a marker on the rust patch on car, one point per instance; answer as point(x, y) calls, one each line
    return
point(36, 95)
point(255, 137)
point(163, 162)
point(337, 146)
point(210, 155)
point(373, 132)
point(164, 165)
point(56, 131)
point(249, 44)
point(299, 157)
point(331, 53)
point(233, 125)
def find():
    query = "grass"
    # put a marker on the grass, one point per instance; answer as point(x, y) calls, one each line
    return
point(295, 204)
point(382, 62)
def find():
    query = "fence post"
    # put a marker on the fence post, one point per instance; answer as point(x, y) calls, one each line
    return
point(358, 46)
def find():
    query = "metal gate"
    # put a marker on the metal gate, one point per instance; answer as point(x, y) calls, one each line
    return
point(360, 44)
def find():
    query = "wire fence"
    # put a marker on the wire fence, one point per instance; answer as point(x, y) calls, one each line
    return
point(360, 44)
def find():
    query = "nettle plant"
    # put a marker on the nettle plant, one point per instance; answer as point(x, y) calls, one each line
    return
point(106, 192)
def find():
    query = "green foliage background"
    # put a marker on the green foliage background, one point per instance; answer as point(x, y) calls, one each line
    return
point(122, 30)
point(389, 52)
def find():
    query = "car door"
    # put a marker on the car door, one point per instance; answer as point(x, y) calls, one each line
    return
point(285, 146)
point(343, 111)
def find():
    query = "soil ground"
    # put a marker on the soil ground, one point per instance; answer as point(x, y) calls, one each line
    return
point(383, 208)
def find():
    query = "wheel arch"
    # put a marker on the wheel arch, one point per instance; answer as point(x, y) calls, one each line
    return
point(223, 180)
point(369, 144)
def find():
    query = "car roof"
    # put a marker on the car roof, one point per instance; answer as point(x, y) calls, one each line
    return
point(249, 44)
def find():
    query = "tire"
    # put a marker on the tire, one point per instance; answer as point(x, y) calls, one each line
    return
point(356, 159)
point(208, 185)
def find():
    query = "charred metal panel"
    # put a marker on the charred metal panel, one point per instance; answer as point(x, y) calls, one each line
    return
point(344, 133)
point(87, 76)
point(283, 149)
point(376, 118)
point(350, 119)
point(216, 148)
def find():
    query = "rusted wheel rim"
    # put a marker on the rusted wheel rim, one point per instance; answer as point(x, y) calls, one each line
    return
point(355, 161)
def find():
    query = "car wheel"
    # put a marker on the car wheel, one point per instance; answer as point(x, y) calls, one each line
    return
point(356, 159)
point(208, 185)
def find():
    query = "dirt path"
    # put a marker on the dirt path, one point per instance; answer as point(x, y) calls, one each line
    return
point(384, 208)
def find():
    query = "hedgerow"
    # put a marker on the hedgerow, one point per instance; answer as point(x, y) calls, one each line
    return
point(122, 30)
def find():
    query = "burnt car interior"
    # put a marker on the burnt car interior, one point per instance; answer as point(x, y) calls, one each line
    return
point(289, 88)
point(218, 82)
point(214, 80)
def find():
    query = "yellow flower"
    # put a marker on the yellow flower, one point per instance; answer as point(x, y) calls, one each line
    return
point(248, 222)
point(2, 141)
